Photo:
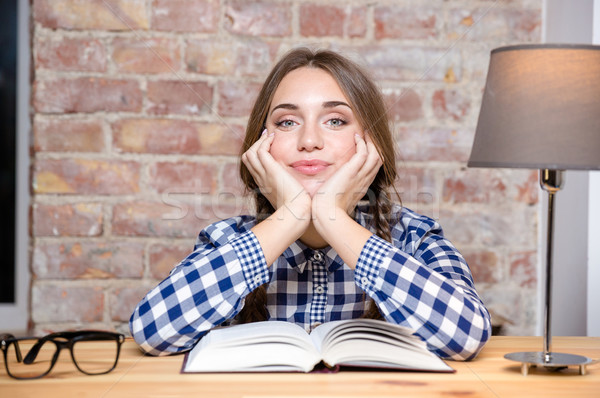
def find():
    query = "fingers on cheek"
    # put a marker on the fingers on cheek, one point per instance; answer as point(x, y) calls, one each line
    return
point(374, 155)
point(262, 156)
point(246, 161)
point(372, 165)
point(247, 156)
point(267, 140)
point(253, 164)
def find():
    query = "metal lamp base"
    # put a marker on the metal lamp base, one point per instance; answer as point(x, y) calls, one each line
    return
point(552, 361)
point(551, 181)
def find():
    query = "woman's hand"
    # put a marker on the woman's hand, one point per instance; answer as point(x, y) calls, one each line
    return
point(344, 189)
point(291, 202)
point(274, 182)
point(338, 196)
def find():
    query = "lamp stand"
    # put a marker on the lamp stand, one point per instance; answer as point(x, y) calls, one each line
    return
point(551, 181)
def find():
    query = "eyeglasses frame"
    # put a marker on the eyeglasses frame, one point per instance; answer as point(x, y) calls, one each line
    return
point(71, 338)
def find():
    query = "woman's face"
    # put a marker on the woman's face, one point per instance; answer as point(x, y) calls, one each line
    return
point(314, 126)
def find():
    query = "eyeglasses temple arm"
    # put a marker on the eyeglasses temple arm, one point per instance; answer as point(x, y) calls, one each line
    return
point(17, 348)
point(18, 351)
point(34, 351)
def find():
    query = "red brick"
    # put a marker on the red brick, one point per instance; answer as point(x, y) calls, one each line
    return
point(183, 177)
point(485, 266)
point(409, 143)
point(185, 15)
point(87, 94)
point(443, 144)
point(123, 301)
point(523, 268)
point(88, 260)
point(475, 68)
point(504, 225)
point(220, 139)
point(92, 14)
point(527, 187)
point(253, 57)
point(148, 55)
point(391, 61)
point(495, 24)
point(230, 180)
point(510, 306)
point(434, 144)
point(477, 186)
point(68, 54)
point(78, 219)
point(450, 104)
point(174, 217)
point(406, 23)
point(51, 303)
point(83, 176)
point(177, 137)
point(490, 186)
point(179, 97)
point(212, 57)
point(67, 135)
point(223, 205)
point(356, 22)
point(524, 25)
point(163, 258)
point(237, 98)
point(403, 106)
point(258, 18)
point(416, 185)
point(156, 136)
point(322, 20)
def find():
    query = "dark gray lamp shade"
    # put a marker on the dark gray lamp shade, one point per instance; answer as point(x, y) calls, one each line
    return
point(540, 109)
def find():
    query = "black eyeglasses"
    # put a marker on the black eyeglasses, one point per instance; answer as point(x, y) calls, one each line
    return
point(93, 352)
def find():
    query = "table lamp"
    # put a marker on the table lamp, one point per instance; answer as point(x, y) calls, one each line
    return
point(541, 110)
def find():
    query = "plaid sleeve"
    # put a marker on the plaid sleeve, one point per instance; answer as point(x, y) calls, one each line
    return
point(431, 292)
point(203, 291)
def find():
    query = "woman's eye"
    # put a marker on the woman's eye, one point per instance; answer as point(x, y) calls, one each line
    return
point(336, 122)
point(285, 123)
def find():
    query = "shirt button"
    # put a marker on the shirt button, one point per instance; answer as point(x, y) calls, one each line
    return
point(319, 290)
point(317, 256)
point(364, 280)
point(257, 279)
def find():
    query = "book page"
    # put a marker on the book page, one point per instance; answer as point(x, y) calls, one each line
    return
point(254, 347)
point(329, 331)
point(371, 343)
point(318, 334)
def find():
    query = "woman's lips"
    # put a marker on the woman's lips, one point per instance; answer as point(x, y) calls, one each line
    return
point(310, 167)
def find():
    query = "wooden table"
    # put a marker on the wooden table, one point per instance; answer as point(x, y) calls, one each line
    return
point(490, 375)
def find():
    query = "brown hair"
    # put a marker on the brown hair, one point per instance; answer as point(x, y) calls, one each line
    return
point(368, 106)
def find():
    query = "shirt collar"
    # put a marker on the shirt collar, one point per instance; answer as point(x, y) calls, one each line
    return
point(298, 254)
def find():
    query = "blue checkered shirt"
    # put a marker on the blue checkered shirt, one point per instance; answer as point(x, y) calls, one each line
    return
point(418, 280)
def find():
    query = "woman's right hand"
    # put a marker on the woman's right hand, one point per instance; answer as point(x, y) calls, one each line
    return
point(291, 202)
point(274, 182)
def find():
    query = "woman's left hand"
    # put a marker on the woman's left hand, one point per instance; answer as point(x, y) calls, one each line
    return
point(344, 189)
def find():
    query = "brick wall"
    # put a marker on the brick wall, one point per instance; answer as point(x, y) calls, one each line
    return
point(139, 108)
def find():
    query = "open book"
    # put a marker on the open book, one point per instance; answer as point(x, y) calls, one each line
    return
point(278, 346)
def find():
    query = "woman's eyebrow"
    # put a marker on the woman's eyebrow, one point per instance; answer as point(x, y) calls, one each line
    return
point(285, 106)
point(326, 104)
point(333, 104)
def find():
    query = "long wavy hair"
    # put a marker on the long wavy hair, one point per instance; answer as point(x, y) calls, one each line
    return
point(368, 106)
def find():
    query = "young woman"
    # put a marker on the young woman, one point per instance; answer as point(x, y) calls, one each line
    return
point(326, 242)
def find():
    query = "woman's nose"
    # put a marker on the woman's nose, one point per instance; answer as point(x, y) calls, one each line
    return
point(310, 138)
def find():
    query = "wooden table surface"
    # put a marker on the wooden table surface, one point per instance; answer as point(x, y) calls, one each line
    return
point(490, 375)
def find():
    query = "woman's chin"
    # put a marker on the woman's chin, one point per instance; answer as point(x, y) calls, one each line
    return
point(312, 187)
